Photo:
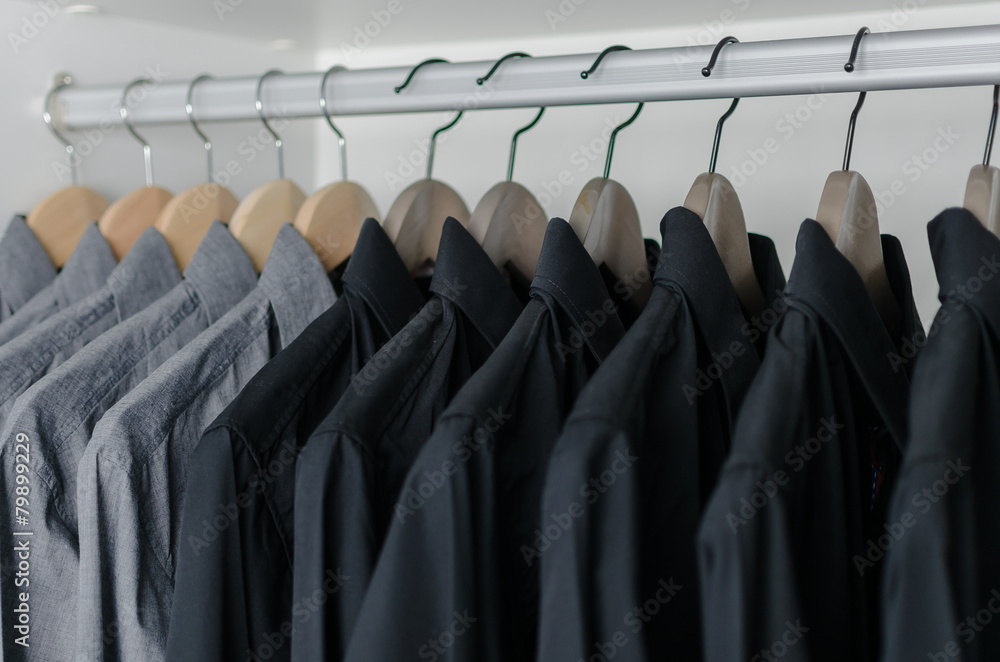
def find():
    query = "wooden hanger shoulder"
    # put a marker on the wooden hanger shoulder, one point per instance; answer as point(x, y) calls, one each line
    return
point(187, 216)
point(848, 213)
point(713, 198)
point(982, 196)
point(510, 226)
point(330, 219)
point(130, 216)
point(257, 219)
point(61, 218)
point(416, 218)
point(614, 233)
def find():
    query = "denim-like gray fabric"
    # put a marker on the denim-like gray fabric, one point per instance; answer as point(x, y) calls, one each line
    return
point(146, 273)
point(25, 267)
point(132, 477)
point(86, 270)
point(57, 415)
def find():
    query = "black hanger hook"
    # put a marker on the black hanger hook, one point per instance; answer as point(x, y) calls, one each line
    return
point(849, 67)
point(496, 65)
point(707, 71)
point(610, 49)
point(513, 142)
point(614, 134)
point(718, 134)
point(850, 131)
point(993, 128)
point(409, 77)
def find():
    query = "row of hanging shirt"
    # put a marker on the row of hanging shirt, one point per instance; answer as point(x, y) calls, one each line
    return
point(294, 467)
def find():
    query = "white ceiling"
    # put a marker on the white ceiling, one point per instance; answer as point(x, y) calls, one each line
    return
point(317, 24)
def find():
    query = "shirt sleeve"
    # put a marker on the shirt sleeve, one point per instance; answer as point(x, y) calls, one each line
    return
point(336, 543)
point(124, 605)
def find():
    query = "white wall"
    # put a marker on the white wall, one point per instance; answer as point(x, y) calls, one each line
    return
point(658, 157)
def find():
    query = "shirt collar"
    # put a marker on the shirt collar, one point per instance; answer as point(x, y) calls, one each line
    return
point(25, 267)
point(86, 270)
point(220, 271)
point(465, 275)
point(147, 272)
point(965, 257)
point(689, 261)
point(295, 283)
point(827, 283)
point(377, 275)
point(767, 268)
point(567, 274)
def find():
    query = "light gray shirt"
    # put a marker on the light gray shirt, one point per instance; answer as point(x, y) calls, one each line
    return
point(55, 419)
point(25, 267)
point(86, 270)
point(132, 477)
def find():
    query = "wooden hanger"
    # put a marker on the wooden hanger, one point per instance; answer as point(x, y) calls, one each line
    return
point(982, 192)
point(508, 222)
point(417, 216)
point(130, 216)
point(257, 219)
point(330, 219)
point(848, 213)
point(62, 217)
point(186, 217)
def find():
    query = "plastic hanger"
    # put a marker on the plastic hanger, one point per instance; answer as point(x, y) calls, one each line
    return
point(259, 216)
point(982, 192)
point(508, 222)
point(62, 217)
point(606, 220)
point(187, 216)
point(417, 216)
point(330, 219)
point(848, 213)
point(129, 216)
point(714, 199)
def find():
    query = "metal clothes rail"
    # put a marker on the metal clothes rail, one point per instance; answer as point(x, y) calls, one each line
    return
point(886, 61)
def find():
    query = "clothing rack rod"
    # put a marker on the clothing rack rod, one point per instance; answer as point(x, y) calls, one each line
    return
point(948, 57)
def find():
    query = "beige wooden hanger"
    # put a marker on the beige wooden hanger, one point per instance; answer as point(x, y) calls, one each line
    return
point(982, 192)
point(61, 218)
point(713, 198)
point(508, 222)
point(330, 219)
point(186, 217)
point(416, 218)
point(130, 216)
point(258, 218)
point(606, 220)
point(848, 213)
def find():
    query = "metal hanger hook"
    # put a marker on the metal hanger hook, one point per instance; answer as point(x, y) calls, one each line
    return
point(707, 70)
point(260, 113)
point(65, 80)
point(849, 67)
point(718, 134)
point(409, 76)
point(610, 49)
point(496, 65)
point(326, 113)
point(993, 127)
point(147, 151)
point(513, 142)
point(189, 109)
point(614, 134)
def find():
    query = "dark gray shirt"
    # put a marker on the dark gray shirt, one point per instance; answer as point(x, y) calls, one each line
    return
point(86, 270)
point(133, 474)
point(146, 273)
point(25, 267)
point(55, 418)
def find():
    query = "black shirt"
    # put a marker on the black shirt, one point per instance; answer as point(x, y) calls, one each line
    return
point(640, 454)
point(814, 454)
point(350, 473)
point(235, 595)
point(452, 581)
point(942, 587)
